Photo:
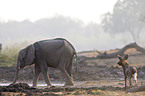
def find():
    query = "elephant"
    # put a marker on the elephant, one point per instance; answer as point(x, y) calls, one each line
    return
point(55, 53)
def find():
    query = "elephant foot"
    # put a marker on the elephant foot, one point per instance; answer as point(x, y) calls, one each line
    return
point(49, 85)
point(69, 84)
point(13, 82)
point(33, 86)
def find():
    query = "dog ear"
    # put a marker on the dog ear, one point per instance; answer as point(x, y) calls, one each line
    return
point(125, 57)
point(120, 58)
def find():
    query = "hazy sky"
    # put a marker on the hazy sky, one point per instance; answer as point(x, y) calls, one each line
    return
point(86, 10)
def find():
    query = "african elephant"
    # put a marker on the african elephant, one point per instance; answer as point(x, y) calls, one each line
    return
point(55, 53)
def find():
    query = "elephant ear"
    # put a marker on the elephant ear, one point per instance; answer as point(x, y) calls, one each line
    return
point(30, 55)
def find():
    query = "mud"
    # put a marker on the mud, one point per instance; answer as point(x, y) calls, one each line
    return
point(25, 89)
point(101, 76)
point(87, 71)
point(20, 87)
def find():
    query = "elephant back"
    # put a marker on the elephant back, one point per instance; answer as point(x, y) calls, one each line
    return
point(55, 44)
point(68, 43)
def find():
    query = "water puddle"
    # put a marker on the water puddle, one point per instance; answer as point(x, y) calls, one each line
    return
point(76, 84)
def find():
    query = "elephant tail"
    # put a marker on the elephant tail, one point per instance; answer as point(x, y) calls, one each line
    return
point(76, 63)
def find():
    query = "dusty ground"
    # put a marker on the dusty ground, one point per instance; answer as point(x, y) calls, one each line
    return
point(94, 77)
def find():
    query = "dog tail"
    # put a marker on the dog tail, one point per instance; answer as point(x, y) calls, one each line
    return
point(135, 76)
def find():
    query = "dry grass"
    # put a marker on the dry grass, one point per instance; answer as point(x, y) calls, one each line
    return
point(8, 55)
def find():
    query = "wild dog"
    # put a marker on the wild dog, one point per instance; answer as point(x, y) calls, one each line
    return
point(128, 70)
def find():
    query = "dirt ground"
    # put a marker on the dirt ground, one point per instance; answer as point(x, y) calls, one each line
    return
point(94, 77)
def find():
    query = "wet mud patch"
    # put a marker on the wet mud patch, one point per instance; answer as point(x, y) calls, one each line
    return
point(25, 89)
point(19, 87)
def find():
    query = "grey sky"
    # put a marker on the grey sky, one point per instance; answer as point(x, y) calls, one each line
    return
point(85, 10)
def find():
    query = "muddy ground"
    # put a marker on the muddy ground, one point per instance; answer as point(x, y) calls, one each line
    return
point(94, 77)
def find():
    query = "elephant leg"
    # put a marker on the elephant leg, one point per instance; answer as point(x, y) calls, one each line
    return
point(16, 76)
point(46, 76)
point(37, 73)
point(69, 69)
point(68, 78)
point(43, 67)
point(65, 73)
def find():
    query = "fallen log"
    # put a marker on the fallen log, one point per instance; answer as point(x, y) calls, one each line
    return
point(121, 51)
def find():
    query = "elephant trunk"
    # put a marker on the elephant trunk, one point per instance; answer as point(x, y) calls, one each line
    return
point(16, 74)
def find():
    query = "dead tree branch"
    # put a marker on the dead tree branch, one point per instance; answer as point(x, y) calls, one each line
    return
point(121, 51)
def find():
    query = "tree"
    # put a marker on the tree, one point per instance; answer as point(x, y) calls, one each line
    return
point(126, 17)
